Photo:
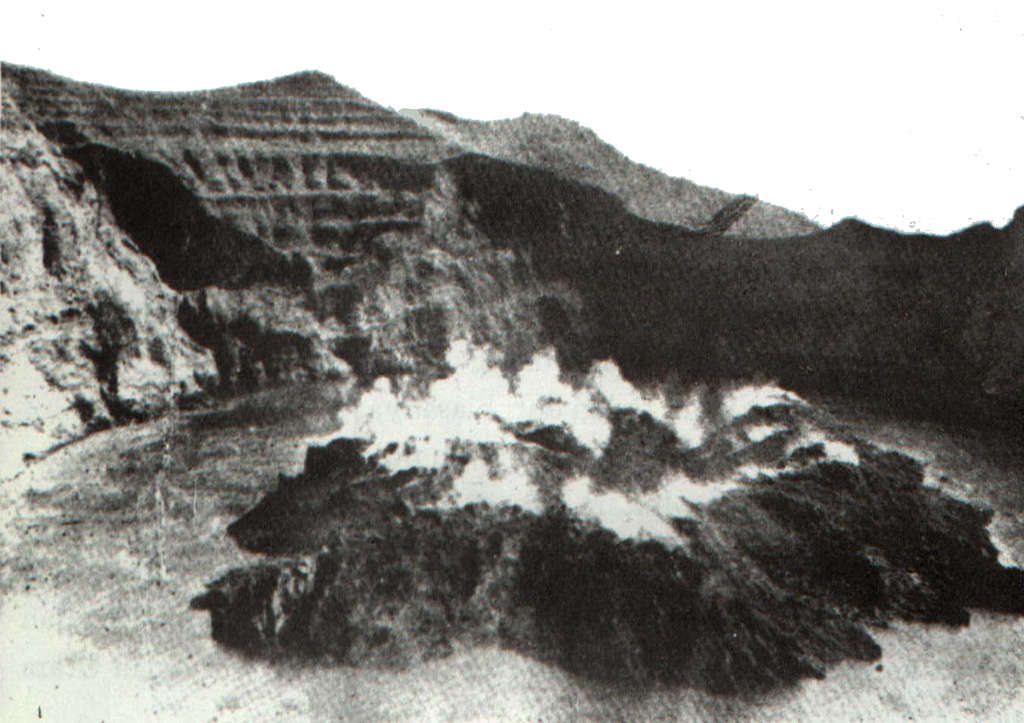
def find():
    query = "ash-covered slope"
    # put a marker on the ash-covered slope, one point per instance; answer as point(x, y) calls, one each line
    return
point(575, 152)
point(88, 332)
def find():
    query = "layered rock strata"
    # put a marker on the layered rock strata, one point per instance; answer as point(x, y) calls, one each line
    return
point(312, 233)
point(567, 148)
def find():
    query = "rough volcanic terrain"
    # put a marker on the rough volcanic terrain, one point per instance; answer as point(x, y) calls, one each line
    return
point(535, 406)
point(92, 627)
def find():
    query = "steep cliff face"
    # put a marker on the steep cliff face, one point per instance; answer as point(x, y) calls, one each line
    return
point(89, 332)
point(309, 230)
point(312, 232)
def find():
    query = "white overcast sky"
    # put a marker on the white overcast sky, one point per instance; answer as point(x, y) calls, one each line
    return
point(908, 114)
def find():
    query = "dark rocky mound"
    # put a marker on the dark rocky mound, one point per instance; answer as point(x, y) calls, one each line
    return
point(771, 581)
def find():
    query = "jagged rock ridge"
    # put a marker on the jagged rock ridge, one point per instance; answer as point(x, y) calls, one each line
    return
point(563, 146)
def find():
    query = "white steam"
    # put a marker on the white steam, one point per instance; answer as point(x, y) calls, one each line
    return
point(470, 425)
point(503, 482)
point(626, 516)
point(476, 403)
point(740, 401)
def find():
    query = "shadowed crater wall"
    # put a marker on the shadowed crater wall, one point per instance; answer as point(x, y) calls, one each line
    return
point(309, 210)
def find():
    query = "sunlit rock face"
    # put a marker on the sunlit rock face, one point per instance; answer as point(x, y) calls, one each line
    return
point(729, 539)
point(310, 232)
point(88, 331)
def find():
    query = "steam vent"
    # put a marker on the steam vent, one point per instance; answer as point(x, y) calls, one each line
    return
point(579, 416)
point(734, 541)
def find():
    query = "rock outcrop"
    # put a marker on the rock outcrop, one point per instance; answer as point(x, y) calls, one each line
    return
point(88, 331)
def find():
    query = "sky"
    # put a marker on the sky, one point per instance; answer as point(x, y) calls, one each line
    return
point(904, 114)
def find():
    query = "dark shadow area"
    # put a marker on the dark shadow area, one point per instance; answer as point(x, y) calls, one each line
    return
point(930, 326)
point(190, 247)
